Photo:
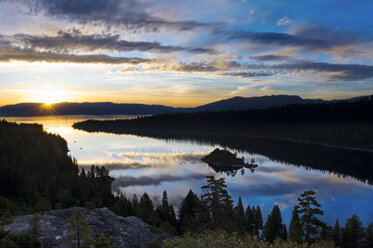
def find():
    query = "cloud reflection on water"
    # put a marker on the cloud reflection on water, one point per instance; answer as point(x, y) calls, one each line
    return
point(151, 165)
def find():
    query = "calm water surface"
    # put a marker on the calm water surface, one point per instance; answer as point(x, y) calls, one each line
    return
point(153, 165)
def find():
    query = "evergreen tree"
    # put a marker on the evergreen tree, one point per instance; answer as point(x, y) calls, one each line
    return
point(239, 213)
point(167, 212)
point(164, 208)
point(327, 233)
point(203, 218)
point(353, 233)
point(369, 236)
point(284, 232)
point(308, 208)
point(258, 220)
point(79, 230)
point(219, 203)
point(154, 219)
point(250, 219)
point(172, 220)
point(295, 229)
point(135, 205)
point(273, 227)
point(145, 207)
point(190, 208)
point(337, 234)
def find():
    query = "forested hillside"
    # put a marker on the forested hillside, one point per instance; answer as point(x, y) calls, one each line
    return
point(345, 124)
point(37, 174)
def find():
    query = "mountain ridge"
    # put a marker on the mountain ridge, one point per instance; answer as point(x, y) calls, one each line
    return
point(110, 108)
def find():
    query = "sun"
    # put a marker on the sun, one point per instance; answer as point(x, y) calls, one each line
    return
point(49, 96)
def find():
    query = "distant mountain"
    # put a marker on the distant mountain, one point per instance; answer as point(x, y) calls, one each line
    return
point(261, 102)
point(97, 108)
point(109, 108)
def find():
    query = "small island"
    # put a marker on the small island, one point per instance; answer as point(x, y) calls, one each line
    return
point(222, 160)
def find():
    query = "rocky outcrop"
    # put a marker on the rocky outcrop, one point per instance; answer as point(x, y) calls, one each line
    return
point(125, 232)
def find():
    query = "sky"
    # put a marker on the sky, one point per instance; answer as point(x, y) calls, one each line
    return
point(183, 53)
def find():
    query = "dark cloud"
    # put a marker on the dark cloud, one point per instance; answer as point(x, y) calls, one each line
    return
point(127, 181)
point(281, 39)
point(196, 67)
point(271, 57)
point(206, 66)
point(248, 74)
point(337, 72)
point(306, 36)
point(29, 55)
point(67, 41)
point(130, 14)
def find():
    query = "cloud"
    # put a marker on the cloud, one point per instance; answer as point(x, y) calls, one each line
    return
point(308, 37)
point(248, 74)
point(116, 165)
point(28, 55)
point(283, 21)
point(270, 38)
point(156, 158)
point(75, 40)
point(337, 72)
point(271, 57)
point(220, 68)
point(129, 14)
point(128, 181)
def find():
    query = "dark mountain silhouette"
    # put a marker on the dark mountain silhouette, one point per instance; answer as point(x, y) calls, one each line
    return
point(261, 102)
point(109, 108)
point(97, 108)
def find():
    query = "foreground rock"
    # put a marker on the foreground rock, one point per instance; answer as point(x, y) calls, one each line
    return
point(125, 232)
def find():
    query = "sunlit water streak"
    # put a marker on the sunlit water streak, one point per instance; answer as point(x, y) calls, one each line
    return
point(142, 164)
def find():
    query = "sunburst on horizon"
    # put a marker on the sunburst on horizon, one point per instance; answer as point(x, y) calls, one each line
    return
point(49, 96)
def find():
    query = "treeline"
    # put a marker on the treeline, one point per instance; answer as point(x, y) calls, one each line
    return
point(38, 175)
point(214, 210)
point(341, 123)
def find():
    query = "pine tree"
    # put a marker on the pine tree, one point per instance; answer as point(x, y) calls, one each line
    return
point(295, 229)
point(327, 233)
point(369, 236)
point(145, 207)
point(284, 232)
point(353, 233)
point(273, 227)
point(219, 202)
point(190, 208)
point(135, 205)
point(154, 219)
point(337, 234)
point(79, 230)
point(258, 220)
point(308, 208)
point(172, 220)
point(239, 213)
point(250, 219)
point(164, 208)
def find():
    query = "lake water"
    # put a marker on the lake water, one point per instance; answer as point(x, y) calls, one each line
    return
point(342, 178)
